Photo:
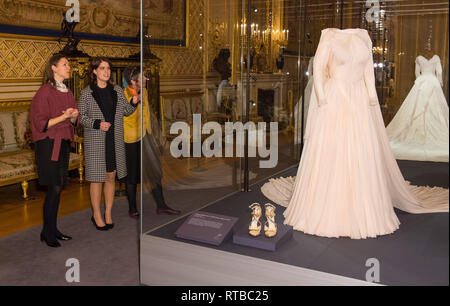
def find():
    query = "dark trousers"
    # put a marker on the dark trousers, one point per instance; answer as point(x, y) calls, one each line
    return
point(131, 195)
point(51, 206)
point(157, 194)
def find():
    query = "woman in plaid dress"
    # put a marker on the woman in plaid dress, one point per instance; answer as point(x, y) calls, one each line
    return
point(102, 107)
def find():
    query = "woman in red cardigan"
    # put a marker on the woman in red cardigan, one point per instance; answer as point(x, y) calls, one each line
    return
point(53, 116)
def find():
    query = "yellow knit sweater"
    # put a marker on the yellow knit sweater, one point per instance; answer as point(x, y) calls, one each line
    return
point(132, 123)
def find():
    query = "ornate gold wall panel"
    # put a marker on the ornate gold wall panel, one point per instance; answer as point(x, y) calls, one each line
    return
point(217, 32)
point(186, 60)
point(25, 58)
point(95, 49)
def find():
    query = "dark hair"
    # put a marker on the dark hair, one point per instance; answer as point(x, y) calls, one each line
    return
point(95, 63)
point(131, 73)
point(49, 75)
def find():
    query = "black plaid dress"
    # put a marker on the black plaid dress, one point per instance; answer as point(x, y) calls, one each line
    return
point(95, 139)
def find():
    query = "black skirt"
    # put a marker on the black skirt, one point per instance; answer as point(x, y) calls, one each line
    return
point(52, 172)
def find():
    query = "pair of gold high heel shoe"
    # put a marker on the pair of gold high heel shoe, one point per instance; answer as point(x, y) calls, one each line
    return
point(270, 227)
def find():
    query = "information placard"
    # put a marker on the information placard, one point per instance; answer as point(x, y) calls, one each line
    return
point(207, 227)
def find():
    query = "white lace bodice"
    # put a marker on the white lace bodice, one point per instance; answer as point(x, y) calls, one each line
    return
point(431, 66)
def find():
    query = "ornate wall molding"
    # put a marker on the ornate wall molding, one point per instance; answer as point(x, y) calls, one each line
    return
point(218, 34)
point(100, 19)
point(12, 105)
point(95, 17)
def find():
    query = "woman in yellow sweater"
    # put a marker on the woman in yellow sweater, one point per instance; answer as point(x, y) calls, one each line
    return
point(152, 172)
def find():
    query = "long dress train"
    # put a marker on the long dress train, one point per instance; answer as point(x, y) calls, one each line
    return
point(348, 180)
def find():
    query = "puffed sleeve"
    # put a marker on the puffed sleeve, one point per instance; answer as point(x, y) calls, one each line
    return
point(439, 70)
point(320, 68)
point(369, 77)
point(40, 111)
point(83, 112)
point(417, 70)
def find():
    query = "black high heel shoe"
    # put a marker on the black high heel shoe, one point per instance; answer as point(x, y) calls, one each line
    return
point(100, 228)
point(54, 244)
point(63, 237)
point(109, 225)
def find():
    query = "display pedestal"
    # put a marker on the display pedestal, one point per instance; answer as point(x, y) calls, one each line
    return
point(207, 227)
point(242, 237)
point(305, 259)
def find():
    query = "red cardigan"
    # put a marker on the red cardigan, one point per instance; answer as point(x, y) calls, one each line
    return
point(49, 103)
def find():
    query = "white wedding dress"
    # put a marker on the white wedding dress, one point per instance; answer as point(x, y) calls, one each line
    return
point(419, 130)
point(297, 108)
point(348, 181)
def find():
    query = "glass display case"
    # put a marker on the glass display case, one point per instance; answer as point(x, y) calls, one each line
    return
point(250, 64)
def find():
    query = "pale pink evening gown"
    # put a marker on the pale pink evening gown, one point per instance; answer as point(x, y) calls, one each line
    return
point(348, 181)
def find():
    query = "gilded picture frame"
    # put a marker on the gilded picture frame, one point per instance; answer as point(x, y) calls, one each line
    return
point(165, 21)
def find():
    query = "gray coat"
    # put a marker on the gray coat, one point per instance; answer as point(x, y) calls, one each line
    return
point(94, 139)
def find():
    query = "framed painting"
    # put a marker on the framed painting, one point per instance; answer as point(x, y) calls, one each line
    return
point(165, 21)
